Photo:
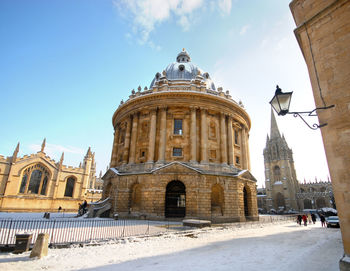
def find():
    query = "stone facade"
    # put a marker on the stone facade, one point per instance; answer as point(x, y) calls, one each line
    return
point(322, 32)
point(36, 183)
point(181, 149)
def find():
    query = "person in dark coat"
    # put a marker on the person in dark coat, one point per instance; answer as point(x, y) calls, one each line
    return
point(313, 217)
point(84, 206)
point(299, 218)
point(323, 221)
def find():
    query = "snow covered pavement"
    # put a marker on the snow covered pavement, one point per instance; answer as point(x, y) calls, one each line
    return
point(285, 246)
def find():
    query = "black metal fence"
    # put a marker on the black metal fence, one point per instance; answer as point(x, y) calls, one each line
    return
point(71, 231)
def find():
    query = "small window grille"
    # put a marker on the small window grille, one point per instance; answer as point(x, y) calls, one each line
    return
point(177, 151)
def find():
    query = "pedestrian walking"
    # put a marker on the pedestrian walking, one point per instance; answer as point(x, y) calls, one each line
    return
point(304, 217)
point(323, 221)
point(299, 218)
point(313, 217)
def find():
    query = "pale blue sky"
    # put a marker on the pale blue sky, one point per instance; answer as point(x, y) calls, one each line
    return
point(65, 66)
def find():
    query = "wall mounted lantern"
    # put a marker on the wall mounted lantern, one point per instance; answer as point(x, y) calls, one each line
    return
point(281, 102)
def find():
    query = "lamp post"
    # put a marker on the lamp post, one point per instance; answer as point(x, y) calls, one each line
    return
point(281, 102)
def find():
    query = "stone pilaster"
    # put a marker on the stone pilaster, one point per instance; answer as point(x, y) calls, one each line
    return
point(243, 149)
point(135, 121)
point(204, 136)
point(162, 139)
point(193, 134)
point(223, 144)
point(127, 140)
point(230, 142)
point(152, 136)
point(248, 152)
point(114, 158)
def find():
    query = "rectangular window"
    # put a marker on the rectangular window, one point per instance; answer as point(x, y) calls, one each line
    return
point(177, 126)
point(236, 137)
point(237, 160)
point(177, 152)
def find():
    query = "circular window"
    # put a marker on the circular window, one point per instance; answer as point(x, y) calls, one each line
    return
point(181, 67)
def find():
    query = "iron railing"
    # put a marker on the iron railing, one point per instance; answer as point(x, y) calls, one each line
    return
point(78, 231)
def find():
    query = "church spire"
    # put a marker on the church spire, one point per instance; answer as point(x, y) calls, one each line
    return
point(15, 153)
point(274, 133)
point(43, 145)
point(61, 160)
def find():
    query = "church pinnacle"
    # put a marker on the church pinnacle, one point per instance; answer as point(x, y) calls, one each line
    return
point(274, 133)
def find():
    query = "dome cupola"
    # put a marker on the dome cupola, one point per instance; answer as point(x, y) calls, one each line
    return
point(184, 70)
point(183, 57)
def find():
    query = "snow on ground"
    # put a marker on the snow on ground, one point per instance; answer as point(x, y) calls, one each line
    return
point(285, 246)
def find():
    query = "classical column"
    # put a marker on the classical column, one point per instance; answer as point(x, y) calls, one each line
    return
point(204, 136)
point(152, 135)
point(127, 140)
point(243, 149)
point(114, 158)
point(230, 141)
point(248, 153)
point(135, 121)
point(193, 135)
point(162, 139)
point(223, 144)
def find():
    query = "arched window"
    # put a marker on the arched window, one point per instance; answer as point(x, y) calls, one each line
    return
point(34, 180)
point(69, 187)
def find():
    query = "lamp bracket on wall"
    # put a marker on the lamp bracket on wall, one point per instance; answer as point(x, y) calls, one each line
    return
point(312, 113)
point(281, 102)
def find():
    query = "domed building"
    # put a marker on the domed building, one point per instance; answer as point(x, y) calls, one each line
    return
point(181, 150)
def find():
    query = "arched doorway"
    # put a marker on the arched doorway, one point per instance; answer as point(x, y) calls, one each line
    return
point(245, 199)
point(175, 199)
point(217, 200)
point(280, 202)
point(320, 203)
point(307, 204)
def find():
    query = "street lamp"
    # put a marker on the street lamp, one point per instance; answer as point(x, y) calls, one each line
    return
point(281, 102)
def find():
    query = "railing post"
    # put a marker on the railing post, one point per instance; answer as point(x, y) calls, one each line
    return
point(52, 233)
point(8, 236)
point(123, 227)
point(92, 227)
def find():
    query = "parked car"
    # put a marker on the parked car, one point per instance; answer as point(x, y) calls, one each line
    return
point(332, 221)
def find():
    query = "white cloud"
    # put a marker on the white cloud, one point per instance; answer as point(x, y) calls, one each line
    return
point(244, 29)
point(145, 15)
point(225, 6)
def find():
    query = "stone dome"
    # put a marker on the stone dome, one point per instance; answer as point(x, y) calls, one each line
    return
point(184, 70)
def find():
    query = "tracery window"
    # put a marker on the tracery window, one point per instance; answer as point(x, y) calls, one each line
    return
point(35, 180)
point(69, 187)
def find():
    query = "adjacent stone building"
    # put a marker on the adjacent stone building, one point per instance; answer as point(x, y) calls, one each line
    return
point(181, 150)
point(36, 183)
point(323, 34)
point(283, 192)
